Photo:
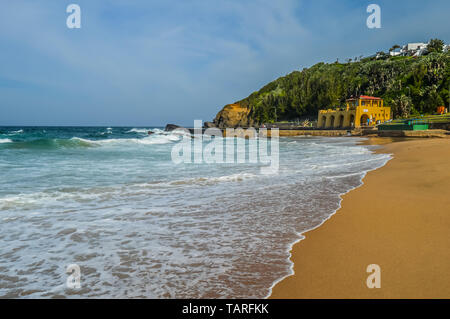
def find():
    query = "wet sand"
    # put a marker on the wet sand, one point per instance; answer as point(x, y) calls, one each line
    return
point(399, 219)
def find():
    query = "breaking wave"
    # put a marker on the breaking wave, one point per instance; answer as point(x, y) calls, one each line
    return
point(15, 132)
point(47, 144)
point(138, 130)
point(78, 142)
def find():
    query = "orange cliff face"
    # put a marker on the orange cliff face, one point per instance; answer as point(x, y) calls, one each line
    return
point(233, 115)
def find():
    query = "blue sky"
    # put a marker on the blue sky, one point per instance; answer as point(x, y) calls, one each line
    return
point(145, 63)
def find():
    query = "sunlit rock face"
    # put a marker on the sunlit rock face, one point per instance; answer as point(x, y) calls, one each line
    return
point(233, 115)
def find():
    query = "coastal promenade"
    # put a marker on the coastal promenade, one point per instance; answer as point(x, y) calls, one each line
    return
point(310, 131)
point(354, 132)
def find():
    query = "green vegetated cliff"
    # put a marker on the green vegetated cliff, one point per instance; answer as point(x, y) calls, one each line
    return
point(410, 85)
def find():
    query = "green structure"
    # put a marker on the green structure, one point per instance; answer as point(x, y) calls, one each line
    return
point(407, 125)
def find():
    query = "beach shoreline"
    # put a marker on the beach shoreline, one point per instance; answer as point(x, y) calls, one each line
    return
point(387, 221)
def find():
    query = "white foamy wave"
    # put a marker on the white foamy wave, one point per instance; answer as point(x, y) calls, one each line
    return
point(180, 133)
point(158, 139)
point(5, 140)
point(356, 163)
point(85, 141)
point(73, 197)
point(153, 139)
point(17, 202)
point(345, 175)
point(211, 180)
point(15, 132)
point(138, 130)
point(49, 199)
point(235, 177)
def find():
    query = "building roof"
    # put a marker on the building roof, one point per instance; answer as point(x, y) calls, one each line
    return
point(365, 97)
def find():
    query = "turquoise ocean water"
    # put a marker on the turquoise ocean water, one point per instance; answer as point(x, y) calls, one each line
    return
point(111, 200)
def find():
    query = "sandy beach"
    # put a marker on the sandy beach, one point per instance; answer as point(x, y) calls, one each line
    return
point(399, 219)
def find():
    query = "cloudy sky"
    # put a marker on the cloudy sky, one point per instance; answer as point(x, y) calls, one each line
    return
point(148, 63)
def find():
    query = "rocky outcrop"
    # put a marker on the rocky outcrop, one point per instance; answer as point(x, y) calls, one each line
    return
point(233, 115)
point(209, 125)
point(171, 127)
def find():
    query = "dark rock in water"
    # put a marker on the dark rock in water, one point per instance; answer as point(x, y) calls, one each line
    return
point(209, 125)
point(171, 127)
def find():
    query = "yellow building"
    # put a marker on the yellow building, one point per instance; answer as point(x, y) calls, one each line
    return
point(359, 112)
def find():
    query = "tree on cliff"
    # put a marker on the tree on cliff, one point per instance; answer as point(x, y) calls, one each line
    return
point(394, 47)
point(402, 106)
point(435, 45)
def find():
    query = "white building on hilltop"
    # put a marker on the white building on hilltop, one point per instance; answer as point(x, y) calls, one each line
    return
point(411, 49)
point(414, 46)
point(414, 49)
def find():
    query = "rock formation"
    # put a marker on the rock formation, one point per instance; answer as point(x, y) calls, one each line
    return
point(233, 115)
point(171, 127)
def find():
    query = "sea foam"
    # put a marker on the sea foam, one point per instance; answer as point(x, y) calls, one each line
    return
point(140, 225)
